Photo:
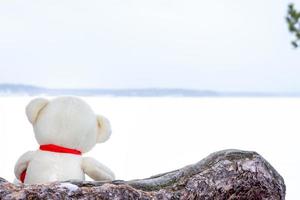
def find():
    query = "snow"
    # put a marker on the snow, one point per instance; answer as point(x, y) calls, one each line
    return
point(69, 186)
point(155, 135)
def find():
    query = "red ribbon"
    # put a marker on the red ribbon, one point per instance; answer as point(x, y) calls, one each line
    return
point(59, 149)
point(22, 176)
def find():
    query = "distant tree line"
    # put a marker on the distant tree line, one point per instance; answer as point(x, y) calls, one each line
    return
point(293, 20)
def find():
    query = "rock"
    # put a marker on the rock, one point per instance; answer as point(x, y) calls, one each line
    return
point(228, 174)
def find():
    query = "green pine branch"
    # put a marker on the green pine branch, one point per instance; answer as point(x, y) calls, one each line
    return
point(293, 20)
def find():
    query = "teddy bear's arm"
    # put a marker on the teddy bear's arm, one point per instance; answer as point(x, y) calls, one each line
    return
point(22, 163)
point(96, 170)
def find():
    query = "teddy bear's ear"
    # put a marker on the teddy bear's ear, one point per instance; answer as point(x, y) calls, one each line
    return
point(104, 129)
point(34, 108)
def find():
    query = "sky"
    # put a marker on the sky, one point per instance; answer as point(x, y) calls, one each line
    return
point(218, 45)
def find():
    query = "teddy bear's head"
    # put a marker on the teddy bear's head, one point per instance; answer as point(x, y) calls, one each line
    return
point(67, 122)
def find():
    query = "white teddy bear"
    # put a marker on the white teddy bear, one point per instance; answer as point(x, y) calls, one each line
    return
point(65, 128)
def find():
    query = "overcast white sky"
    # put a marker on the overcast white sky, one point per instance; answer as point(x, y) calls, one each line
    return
point(227, 45)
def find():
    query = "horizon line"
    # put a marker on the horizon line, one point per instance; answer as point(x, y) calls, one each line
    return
point(9, 88)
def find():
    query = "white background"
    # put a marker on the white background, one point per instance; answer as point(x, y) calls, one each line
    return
point(232, 45)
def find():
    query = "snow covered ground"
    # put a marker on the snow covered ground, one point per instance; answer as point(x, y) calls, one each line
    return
point(155, 135)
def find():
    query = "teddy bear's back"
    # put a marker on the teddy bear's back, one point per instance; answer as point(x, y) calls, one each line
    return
point(50, 166)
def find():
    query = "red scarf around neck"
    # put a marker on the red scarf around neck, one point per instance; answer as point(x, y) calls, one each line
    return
point(52, 148)
point(58, 149)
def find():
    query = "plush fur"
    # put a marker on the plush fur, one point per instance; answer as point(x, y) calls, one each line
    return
point(68, 122)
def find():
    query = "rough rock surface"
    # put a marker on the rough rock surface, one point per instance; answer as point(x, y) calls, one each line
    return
point(228, 174)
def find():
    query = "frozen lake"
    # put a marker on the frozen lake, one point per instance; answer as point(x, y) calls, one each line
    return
point(155, 135)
